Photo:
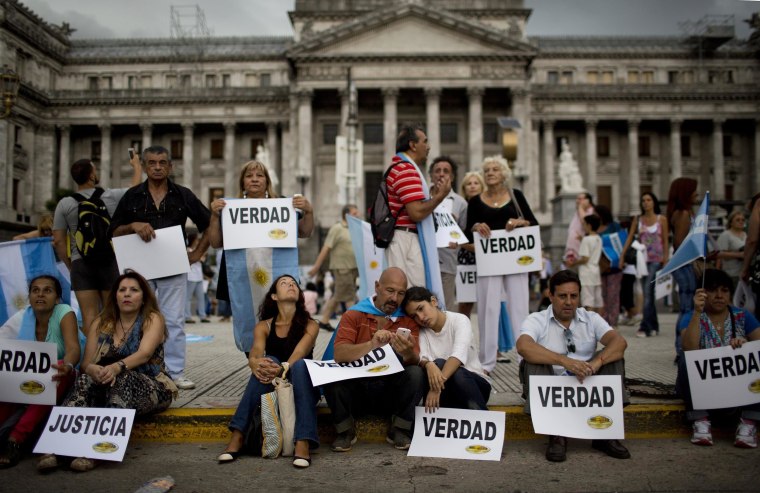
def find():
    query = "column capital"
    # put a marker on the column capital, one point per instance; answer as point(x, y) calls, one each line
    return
point(145, 126)
point(675, 123)
point(548, 124)
point(305, 94)
point(518, 92)
point(63, 127)
point(633, 124)
point(271, 125)
point(104, 127)
point(475, 92)
point(433, 92)
point(187, 126)
point(229, 125)
point(390, 92)
point(591, 124)
point(718, 122)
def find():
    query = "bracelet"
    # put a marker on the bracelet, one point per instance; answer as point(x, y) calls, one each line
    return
point(422, 363)
point(122, 365)
point(68, 365)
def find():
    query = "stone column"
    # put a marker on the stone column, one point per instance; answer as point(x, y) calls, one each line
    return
point(591, 165)
point(390, 123)
point(288, 183)
point(64, 158)
point(43, 166)
point(475, 128)
point(231, 188)
point(549, 188)
point(304, 139)
point(105, 155)
point(147, 135)
point(433, 115)
point(633, 167)
point(187, 154)
point(274, 149)
point(342, 129)
point(676, 164)
point(718, 191)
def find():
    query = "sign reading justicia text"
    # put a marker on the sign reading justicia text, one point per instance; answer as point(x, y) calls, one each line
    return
point(253, 223)
point(724, 377)
point(504, 253)
point(458, 434)
point(26, 371)
point(379, 362)
point(448, 230)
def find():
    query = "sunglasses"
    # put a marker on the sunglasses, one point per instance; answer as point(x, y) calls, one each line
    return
point(570, 342)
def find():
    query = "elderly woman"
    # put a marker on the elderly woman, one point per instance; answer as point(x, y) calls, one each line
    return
point(46, 319)
point(497, 208)
point(472, 185)
point(284, 336)
point(238, 266)
point(123, 364)
point(731, 246)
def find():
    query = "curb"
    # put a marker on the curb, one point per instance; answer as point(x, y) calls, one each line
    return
point(210, 425)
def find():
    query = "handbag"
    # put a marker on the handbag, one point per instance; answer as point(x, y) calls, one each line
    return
point(270, 426)
point(287, 408)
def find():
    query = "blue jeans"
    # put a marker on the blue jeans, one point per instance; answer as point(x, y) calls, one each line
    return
point(195, 290)
point(464, 389)
point(687, 286)
point(172, 296)
point(649, 321)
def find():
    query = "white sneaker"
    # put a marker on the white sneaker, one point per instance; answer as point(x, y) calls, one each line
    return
point(746, 435)
point(183, 383)
point(702, 434)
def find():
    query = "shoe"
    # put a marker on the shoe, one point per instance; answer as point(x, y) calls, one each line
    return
point(301, 462)
point(636, 319)
point(613, 448)
point(183, 383)
point(624, 320)
point(205, 321)
point(228, 456)
point(343, 441)
point(47, 462)
point(746, 435)
point(224, 319)
point(702, 434)
point(502, 358)
point(189, 321)
point(641, 334)
point(326, 326)
point(12, 454)
point(399, 439)
point(82, 464)
point(557, 449)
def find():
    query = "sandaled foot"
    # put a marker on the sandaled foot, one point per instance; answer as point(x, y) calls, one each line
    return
point(47, 462)
point(82, 464)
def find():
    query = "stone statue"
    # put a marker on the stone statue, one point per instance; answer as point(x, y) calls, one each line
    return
point(262, 156)
point(569, 174)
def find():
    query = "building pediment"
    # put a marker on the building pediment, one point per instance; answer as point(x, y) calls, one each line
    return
point(410, 31)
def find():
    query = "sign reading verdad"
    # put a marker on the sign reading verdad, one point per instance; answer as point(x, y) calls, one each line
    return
point(253, 223)
point(458, 434)
point(506, 253)
point(26, 371)
point(377, 363)
point(724, 377)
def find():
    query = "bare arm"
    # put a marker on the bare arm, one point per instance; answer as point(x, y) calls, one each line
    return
point(136, 170)
point(200, 250)
point(28, 235)
point(263, 368)
point(306, 223)
point(420, 209)
point(681, 225)
point(59, 243)
point(691, 335)
point(153, 334)
point(71, 346)
point(614, 349)
point(214, 230)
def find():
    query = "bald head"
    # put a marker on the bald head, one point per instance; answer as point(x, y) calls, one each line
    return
point(390, 290)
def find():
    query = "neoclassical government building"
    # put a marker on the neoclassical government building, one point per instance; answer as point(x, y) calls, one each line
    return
point(637, 112)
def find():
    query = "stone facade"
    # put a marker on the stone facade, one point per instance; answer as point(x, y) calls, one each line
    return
point(637, 112)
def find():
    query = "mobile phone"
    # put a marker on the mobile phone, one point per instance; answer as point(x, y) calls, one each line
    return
point(404, 331)
point(131, 152)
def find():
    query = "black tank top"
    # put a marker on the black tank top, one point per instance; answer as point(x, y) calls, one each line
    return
point(280, 347)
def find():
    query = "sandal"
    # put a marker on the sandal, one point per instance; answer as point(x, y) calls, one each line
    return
point(301, 462)
point(228, 456)
point(47, 462)
point(82, 464)
point(12, 454)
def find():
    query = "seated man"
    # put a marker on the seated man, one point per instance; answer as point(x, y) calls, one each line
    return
point(562, 340)
point(713, 323)
point(368, 325)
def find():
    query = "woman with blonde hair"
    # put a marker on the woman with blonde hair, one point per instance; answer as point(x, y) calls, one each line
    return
point(472, 185)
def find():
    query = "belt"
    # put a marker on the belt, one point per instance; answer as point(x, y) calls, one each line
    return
point(408, 230)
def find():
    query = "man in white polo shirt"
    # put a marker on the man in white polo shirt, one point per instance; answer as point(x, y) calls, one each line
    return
point(562, 340)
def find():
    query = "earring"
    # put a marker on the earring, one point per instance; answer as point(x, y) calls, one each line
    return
point(245, 195)
point(266, 195)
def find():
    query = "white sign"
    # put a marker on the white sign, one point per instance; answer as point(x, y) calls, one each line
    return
point(26, 374)
point(561, 405)
point(508, 253)
point(95, 433)
point(663, 286)
point(458, 434)
point(379, 362)
point(165, 255)
point(724, 377)
point(467, 283)
point(448, 229)
point(254, 223)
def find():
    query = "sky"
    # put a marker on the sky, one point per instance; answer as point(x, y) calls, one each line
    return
point(128, 19)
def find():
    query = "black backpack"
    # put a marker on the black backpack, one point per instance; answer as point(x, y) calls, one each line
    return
point(91, 237)
point(381, 219)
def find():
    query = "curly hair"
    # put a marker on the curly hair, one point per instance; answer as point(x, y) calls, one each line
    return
point(269, 309)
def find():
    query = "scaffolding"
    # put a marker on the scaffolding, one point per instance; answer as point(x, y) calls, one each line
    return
point(188, 22)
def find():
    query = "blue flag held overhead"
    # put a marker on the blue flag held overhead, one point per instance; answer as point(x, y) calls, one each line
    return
point(694, 245)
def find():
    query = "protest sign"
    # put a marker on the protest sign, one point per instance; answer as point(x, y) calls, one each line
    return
point(377, 363)
point(165, 255)
point(724, 377)
point(506, 253)
point(26, 372)
point(663, 286)
point(254, 223)
point(458, 434)
point(467, 283)
point(448, 230)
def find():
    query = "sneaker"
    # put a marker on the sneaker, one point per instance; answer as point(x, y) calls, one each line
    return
point(641, 334)
point(205, 321)
point(189, 321)
point(746, 435)
point(702, 434)
point(183, 383)
point(399, 439)
point(344, 441)
point(624, 320)
point(636, 319)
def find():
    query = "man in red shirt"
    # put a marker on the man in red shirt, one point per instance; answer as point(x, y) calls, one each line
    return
point(408, 201)
point(368, 325)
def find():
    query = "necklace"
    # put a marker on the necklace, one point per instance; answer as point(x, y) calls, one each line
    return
point(126, 332)
point(497, 198)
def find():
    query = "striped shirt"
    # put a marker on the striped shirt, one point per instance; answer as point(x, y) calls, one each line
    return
point(404, 186)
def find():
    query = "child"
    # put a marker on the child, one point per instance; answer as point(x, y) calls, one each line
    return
point(310, 298)
point(588, 265)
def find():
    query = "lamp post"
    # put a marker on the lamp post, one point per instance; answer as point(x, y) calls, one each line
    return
point(509, 138)
point(10, 85)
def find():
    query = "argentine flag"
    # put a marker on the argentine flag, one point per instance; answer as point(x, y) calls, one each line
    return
point(20, 262)
point(370, 259)
point(694, 245)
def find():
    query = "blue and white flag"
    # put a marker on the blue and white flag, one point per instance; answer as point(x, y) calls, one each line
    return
point(250, 273)
point(20, 262)
point(694, 245)
point(612, 246)
point(370, 259)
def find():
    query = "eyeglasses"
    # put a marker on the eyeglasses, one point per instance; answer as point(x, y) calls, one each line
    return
point(569, 341)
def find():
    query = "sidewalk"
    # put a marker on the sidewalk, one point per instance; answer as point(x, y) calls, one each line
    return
point(220, 372)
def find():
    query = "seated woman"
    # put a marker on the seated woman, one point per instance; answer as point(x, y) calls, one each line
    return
point(714, 323)
point(123, 364)
point(285, 334)
point(455, 376)
point(46, 319)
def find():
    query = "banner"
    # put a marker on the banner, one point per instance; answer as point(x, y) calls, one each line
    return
point(369, 259)
point(508, 253)
point(379, 362)
point(467, 283)
point(612, 246)
point(448, 230)
point(458, 434)
point(663, 286)
point(165, 255)
point(254, 223)
point(561, 405)
point(95, 433)
point(724, 377)
point(26, 374)
point(694, 245)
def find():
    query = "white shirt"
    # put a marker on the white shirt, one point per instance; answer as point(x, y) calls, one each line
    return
point(454, 340)
point(587, 328)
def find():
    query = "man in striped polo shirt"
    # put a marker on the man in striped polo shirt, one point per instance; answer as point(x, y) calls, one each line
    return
point(409, 202)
